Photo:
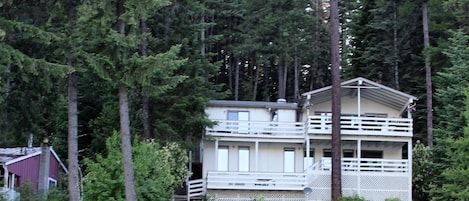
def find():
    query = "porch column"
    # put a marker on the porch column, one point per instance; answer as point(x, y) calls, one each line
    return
point(359, 161)
point(256, 147)
point(409, 161)
point(5, 177)
point(216, 154)
point(308, 148)
point(359, 98)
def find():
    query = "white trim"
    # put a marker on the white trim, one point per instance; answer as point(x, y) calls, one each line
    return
point(49, 180)
point(58, 159)
point(22, 158)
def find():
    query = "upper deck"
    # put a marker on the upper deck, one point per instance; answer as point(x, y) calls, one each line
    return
point(315, 125)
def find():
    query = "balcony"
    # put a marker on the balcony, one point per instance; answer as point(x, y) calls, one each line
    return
point(226, 128)
point(256, 180)
point(363, 165)
point(362, 126)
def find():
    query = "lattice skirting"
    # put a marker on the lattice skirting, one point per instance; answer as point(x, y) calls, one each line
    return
point(246, 195)
point(376, 187)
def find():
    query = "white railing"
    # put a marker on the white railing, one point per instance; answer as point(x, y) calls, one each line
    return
point(364, 165)
point(256, 180)
point(9, 194)
point(259, 128)
point(362, 125)
point(196, 188)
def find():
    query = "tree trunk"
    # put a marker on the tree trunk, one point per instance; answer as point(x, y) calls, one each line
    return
point(126, 144)
point(73, 168)
point(428, 74)
point(281, 77)
point(297, 81)
point(256, 81)
point(147, 129)
point(236, 87)
point(336, 188)
point(73, 165)
point(396, 64)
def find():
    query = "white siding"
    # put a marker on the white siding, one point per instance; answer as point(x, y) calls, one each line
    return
point(349, 105)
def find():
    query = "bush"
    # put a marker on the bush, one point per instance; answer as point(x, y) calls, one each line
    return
point(352, 198)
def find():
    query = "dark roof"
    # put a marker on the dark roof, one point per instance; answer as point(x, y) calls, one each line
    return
point(368, 90)
point(252, 104)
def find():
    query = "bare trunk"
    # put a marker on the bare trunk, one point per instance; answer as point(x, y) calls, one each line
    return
point(126, 145)
point(336, 188)
point(281, 77)
point(236, 87)
point(147, 130)
point(73, 165)
point(297, 81)
point(256, 82)
point(428, 74)
point(73, 168)
point(396, 64)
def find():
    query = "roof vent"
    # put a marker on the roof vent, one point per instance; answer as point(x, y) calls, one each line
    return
point(281, 100)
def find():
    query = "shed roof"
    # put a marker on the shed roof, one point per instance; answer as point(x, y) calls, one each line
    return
point(12, 155)
point(368, 89)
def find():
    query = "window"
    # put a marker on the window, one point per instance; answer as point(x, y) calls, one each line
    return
point(326, 153)
point(243, 117)
point(372, 154)
point(222, 159)
point(289, 160)
point(52, 183)
point(348, 153)
point(243, 159)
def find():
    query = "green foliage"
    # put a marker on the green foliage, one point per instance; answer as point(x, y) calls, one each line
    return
point(455, 186)
point(158, 170)
point(422, 169)
point(27, 192)
point(352, 198)
point(450, 135)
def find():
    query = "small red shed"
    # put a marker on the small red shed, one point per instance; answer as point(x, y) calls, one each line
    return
point(39, 165)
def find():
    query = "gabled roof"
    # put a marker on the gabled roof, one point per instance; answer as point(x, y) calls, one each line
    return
point(368, 90)
point(12, 155)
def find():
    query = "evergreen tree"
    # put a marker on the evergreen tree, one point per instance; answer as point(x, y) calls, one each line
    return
point(455, 185)
point(30, 73)
point(450, 85)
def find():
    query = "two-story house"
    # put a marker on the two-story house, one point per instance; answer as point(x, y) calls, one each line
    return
point(281, 151)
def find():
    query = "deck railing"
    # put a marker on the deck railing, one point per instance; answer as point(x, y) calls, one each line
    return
point(363, 165)
point(256, 180)
point(317, 124)
point(196, 188)
point(321, 124)
point(267, 128)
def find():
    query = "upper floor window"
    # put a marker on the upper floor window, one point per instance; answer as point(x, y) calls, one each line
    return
point(241, 125)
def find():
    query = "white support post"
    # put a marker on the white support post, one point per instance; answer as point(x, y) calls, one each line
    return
point(216, 154)
point(308, 156)
point(5, 177)
point(409, 161)
point(257, 155)
point(359, 161)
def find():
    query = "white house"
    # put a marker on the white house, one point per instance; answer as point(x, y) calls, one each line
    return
point(281, 151)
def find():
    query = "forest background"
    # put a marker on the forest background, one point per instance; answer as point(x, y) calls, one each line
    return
point(163, 60)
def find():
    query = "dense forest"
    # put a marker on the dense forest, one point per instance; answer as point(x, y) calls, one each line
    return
point(96, 76)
